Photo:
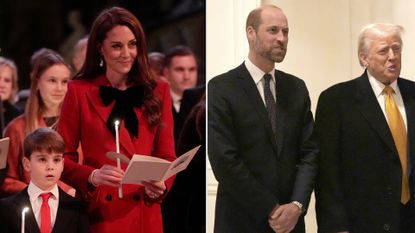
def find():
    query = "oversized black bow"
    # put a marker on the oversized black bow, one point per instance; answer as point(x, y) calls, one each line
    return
point(125, 101)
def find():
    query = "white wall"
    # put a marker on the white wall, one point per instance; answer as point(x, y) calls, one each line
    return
point(322, 48)
point(226, 47)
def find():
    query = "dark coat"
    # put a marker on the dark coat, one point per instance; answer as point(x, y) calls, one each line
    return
point(359, 181)
point(255, 168)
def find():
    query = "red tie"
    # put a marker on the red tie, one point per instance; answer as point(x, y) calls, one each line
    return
point(45, 222)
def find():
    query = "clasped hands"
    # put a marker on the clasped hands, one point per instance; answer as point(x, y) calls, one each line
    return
point(112, 176)
point(283, 218)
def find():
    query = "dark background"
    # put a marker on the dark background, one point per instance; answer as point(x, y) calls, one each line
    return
point(26, 26)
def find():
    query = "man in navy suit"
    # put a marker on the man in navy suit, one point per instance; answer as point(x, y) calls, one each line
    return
point(366, 172)
point(181, 72)
point(44, 161)
point(259, 136)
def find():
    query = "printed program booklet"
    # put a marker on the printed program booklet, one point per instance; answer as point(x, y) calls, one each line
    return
point(4, 149)
point(148, 168)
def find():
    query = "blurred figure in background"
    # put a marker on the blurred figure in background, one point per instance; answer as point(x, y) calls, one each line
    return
point(79, 53)
point(185, 205)
point(181, 73)
point(49, 79)
point(157, 64)
point(8, 91)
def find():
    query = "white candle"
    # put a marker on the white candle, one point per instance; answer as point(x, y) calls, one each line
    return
point(117, 137)
point(23, 218)
point(117, 145)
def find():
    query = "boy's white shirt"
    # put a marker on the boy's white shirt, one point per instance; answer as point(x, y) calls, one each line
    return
point(36, 201)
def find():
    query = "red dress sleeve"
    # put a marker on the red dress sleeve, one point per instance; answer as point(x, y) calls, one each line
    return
point(74, 173)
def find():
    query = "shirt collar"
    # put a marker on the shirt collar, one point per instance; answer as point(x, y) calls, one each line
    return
point(34, 191)
point(378, 86)
point(175, 97)
point(256, 73)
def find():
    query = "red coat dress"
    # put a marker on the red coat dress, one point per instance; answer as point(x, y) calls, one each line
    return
point(83, 119)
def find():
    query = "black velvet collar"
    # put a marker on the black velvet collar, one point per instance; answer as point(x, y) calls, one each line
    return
point(125, 101)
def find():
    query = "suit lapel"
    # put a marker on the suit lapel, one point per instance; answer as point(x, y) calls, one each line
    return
point(21, 201)
point(372, 112)
point(96, 103)
point(63, 215)
point(282, 101)
point(103, 112)
point(251, 91)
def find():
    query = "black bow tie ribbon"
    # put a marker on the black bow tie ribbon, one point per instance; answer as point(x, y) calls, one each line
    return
point(125, 101)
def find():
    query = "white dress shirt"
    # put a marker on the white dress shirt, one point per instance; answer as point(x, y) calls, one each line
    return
point(176, 99)
point(36, 201)
point(257, 75)
point(378, 89)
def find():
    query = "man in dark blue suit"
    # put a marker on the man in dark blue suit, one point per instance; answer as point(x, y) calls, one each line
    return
point(181, 72)
point(366, 132)
point(259, 136)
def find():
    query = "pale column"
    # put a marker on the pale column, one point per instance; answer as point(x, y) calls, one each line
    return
point(226, 48)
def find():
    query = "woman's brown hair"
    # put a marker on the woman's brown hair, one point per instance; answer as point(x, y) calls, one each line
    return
point(41, 60)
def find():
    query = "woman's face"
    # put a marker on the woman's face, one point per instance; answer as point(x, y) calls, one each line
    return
point(6, 82)
point(53, 84)
point(119, 50)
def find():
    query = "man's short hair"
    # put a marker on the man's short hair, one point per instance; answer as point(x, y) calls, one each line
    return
point(364, 40)
point(254, 18)
point(179, 50)
point(43, 139)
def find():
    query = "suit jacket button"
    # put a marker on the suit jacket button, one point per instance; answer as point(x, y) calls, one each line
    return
point(389, 190)
point(386, 227)
point(136, 197)
point(108, 197)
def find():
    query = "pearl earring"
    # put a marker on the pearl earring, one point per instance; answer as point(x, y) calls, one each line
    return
point(101, 63)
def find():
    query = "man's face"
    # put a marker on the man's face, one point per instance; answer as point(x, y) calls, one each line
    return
point(45, 168)
point(271, 38)
point(383, 58)
point(182, 73)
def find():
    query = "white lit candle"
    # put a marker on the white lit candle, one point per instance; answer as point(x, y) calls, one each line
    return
point(23, 218)
point(117, 145)
point(117, 137)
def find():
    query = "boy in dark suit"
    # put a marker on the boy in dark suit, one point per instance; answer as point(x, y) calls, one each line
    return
point(50, 208)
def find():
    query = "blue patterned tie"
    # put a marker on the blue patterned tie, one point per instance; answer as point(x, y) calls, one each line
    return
point(270, 102)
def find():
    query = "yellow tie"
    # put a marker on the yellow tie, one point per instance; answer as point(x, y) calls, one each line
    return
point(398, 130)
